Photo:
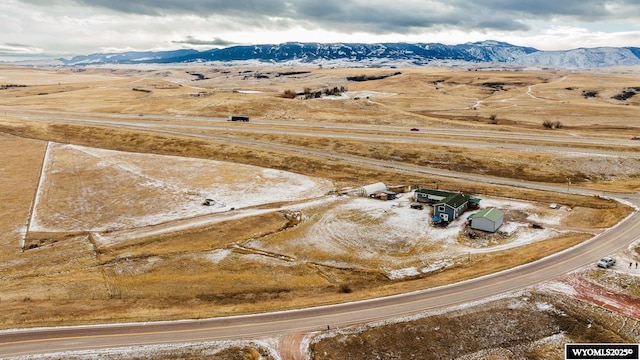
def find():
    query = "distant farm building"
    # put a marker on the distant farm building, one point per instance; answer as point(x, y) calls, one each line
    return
point(398, 189)
point(209, 202)
point(449, 208)
point(489, 219)
point(238, 118)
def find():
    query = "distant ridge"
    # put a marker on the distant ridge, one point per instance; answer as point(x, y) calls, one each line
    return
point(379, 54)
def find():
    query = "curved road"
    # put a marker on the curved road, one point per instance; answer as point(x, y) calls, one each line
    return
point(48, 340)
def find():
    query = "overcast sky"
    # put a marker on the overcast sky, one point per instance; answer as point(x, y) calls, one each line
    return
point(32, 29)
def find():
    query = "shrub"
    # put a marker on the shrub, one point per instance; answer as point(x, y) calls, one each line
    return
point(345, 289)
point(289, 94)
point(625, 95)
point(548, 124)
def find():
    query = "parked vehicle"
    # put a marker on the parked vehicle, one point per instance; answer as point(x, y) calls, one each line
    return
point(606, 262)
point(238, 118)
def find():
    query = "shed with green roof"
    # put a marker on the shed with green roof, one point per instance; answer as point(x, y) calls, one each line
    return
point(489, 219)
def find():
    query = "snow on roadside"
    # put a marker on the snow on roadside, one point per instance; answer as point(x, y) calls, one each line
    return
point(207, 349)
point(557, 287)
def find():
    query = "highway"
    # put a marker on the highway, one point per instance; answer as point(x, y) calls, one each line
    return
point(48, 340)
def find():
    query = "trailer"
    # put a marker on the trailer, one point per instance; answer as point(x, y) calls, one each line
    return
point(238, 118)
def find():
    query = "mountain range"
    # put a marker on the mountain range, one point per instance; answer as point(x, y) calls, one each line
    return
point(380, 54)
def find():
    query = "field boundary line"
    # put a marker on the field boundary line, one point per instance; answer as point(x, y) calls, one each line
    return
point(36, 196)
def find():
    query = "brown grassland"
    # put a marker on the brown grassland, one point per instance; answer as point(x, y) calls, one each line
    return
point(68, 279)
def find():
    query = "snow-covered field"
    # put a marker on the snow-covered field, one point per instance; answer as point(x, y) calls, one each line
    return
point(89, 189)
point(398, 238)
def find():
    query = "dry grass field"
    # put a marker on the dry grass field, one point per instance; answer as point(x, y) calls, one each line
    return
point(104, 171)
point(527, 326)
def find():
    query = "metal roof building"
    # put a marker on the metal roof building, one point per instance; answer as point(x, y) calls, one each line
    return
point(489, 219)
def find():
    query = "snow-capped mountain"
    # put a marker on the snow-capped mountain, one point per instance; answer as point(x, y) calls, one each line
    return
point(382, 53)
point(583, 58)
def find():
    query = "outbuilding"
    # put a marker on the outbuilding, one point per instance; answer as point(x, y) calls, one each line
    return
point(489, 219)
point(369, 190)
point(388, 195)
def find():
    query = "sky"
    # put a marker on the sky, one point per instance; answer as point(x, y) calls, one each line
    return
point(40, 29)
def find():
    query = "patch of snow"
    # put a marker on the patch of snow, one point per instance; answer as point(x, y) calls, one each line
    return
point(522, 236)
point(436, 266)
point(342, 96)
point(511, 227)
point(218, 255)
point(359, 94)
point(207, 349)
point(505, 204)
point(43, 171)
point(544, 306)
point(558, 287)
point(403, 273)
point(465, 306)
point(551, 220)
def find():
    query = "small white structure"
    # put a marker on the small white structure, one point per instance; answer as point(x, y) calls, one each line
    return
point(369, 190)
point(489, 219)
point(209, 202)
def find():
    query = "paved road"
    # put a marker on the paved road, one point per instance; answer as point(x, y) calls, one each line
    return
point(47, 340)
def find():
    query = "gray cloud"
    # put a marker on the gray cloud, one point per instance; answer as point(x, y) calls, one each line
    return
point(190, 40)
point(197, 7)
point(377, 16)
point(17, 45)
point(545, 8)
point(69, 27)
point(19, 51)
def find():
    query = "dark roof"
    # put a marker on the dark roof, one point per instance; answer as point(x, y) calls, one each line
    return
point(435, 192)
point(455, 200)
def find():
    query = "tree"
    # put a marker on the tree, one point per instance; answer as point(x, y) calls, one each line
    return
point(289, 94)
